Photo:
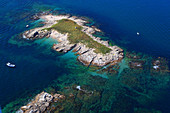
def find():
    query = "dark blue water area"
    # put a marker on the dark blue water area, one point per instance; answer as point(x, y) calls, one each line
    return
point(34, 70)
point(120, 20)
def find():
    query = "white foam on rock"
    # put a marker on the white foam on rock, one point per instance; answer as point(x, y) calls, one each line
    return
point(155, 67)
point(78, 87)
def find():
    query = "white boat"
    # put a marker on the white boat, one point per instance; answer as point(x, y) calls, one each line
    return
point(138, 33)
point(10, 65)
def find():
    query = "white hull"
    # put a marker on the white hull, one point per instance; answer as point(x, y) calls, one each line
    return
point(10, 65)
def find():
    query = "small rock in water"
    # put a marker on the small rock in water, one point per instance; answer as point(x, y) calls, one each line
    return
point(24, 36)
point(78, 87)
point(155, 67)
point(27, 26)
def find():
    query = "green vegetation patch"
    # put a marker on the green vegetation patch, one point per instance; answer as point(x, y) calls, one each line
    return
point(76, 35)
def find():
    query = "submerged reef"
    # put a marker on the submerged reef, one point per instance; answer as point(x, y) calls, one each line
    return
point(72, 34)
point(87, 93)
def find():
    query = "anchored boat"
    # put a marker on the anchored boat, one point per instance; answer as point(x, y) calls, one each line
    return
point(10, 65)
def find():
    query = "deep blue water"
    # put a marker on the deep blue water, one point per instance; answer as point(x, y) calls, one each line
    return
point(120, 20)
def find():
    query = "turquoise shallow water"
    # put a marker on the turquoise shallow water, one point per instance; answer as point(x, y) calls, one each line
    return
point(38, 65)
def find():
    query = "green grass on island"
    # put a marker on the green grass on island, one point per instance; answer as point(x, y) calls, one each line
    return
point(76, 35)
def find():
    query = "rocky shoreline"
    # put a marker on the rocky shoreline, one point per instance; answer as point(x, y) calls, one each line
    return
point(86, 55)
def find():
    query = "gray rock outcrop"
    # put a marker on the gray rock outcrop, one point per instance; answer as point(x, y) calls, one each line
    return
point(41, 103)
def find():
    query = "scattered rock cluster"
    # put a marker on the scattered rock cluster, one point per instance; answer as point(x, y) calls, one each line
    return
point(36, 33)
point(37, 15)
point(160, 65)
point(136, 64)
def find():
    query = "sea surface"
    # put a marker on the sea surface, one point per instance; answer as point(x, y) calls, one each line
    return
point(37, 65)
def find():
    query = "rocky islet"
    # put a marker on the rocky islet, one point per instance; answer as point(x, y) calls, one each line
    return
point(87, 55)
point(41, 103)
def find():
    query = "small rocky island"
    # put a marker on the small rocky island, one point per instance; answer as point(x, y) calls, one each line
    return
point(41, 103)
point(71, 33)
